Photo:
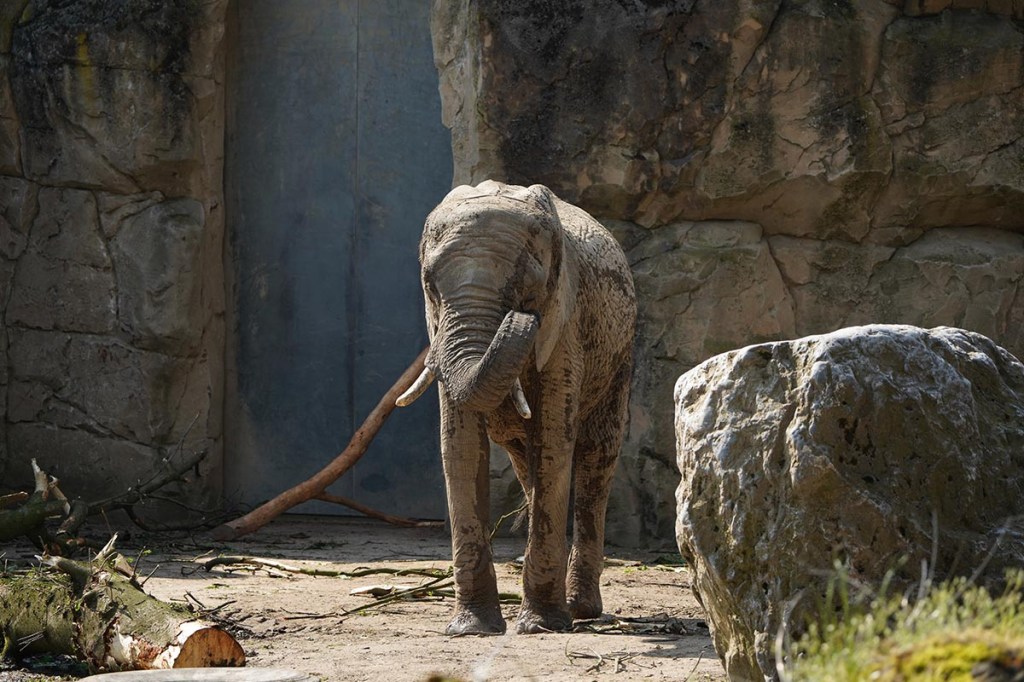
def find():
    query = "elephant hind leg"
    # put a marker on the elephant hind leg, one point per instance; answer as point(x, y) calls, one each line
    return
point(597, 449)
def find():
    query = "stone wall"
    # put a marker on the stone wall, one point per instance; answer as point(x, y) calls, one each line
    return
point(111, 230)
point(774, 169)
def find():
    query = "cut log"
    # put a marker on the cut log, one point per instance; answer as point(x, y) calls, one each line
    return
point(209, 675)
point(311, 488)
point(93, 613)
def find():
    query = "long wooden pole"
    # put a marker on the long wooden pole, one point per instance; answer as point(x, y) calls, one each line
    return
point(311, 488)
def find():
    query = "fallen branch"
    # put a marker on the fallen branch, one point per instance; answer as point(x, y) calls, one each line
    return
point(25, 515)
point(440, 588)
point(374, 514)
point(215, 562)
point(436, 583)
point(619, 658)
point(140, 492)
point(313, 487)
point(661, 624)
point(12, 499)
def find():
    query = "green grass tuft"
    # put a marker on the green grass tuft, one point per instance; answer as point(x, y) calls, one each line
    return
point(954, 632)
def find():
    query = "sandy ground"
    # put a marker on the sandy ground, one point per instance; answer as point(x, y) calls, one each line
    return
point(653, 628)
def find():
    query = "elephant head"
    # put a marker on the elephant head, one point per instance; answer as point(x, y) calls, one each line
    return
point(497, 288)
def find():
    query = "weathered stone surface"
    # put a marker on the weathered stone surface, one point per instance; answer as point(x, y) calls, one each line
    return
point(843, 447)
point(800, 148)
point(109, 96)
point(936, 81)
point(969, 278)
point(708, 287)
point(1010, 8)
point(157, 256)
point(702, 288)
point(832, 138)
point(101, 385)
point(10, 144)
point(18, 207)
point(64, 279)
point(5, 278)
point(111, 237)
point(810, 118)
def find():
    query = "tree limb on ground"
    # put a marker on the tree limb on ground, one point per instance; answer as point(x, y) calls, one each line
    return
point(374, 514)
point(315, 486)
point(26, 515)
point(256, 562)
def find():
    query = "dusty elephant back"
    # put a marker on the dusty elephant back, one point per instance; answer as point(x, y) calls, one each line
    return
point(606, 299)
point(601, 257)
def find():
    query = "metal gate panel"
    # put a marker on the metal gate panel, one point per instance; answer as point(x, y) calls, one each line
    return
point(335, 154)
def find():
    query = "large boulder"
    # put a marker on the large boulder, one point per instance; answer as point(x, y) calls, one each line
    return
point(883, 447)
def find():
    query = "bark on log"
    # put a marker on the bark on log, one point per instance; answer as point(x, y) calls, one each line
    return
point(311, 488)
point(104, 619)
point(27, 520)
point(46, 501)
point(209, 675)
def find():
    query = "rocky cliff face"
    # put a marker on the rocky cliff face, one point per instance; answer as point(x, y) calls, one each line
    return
point(775, 169)
point(111, 293)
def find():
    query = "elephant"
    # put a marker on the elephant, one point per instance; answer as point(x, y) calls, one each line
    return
point(530, 312)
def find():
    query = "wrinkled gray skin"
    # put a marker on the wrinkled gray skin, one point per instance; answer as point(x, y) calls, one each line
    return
point(518, 283)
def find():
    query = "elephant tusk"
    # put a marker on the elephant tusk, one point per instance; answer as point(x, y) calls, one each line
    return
point(423, 381)
point(519, 398)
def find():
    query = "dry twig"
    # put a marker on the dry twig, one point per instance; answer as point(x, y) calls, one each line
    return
point(619, 658)
point(248, 561)
point(374, 514)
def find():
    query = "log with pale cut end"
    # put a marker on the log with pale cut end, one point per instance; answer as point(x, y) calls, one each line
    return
point(105, 619)
point(209, 675)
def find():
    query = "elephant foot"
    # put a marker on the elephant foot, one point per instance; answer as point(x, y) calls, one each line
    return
point(586, 604)
point(533, 620)
point(480, 620)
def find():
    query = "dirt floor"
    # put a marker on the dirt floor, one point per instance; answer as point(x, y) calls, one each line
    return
point(653, 628)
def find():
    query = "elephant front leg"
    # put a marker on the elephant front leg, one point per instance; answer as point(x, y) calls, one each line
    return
point(544, 606)
point(464, 452)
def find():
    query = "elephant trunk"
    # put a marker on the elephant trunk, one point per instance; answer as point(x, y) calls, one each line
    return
point(478, 375)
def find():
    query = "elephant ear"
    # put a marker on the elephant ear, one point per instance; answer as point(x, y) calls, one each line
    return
point(561, 287)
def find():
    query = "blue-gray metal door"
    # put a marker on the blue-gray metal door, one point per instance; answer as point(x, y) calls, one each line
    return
point(335, 155)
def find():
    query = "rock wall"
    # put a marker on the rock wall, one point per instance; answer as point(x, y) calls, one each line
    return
point(775, 169)
point(111, 230)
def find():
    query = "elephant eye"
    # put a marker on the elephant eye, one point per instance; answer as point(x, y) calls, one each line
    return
point(431, 290)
